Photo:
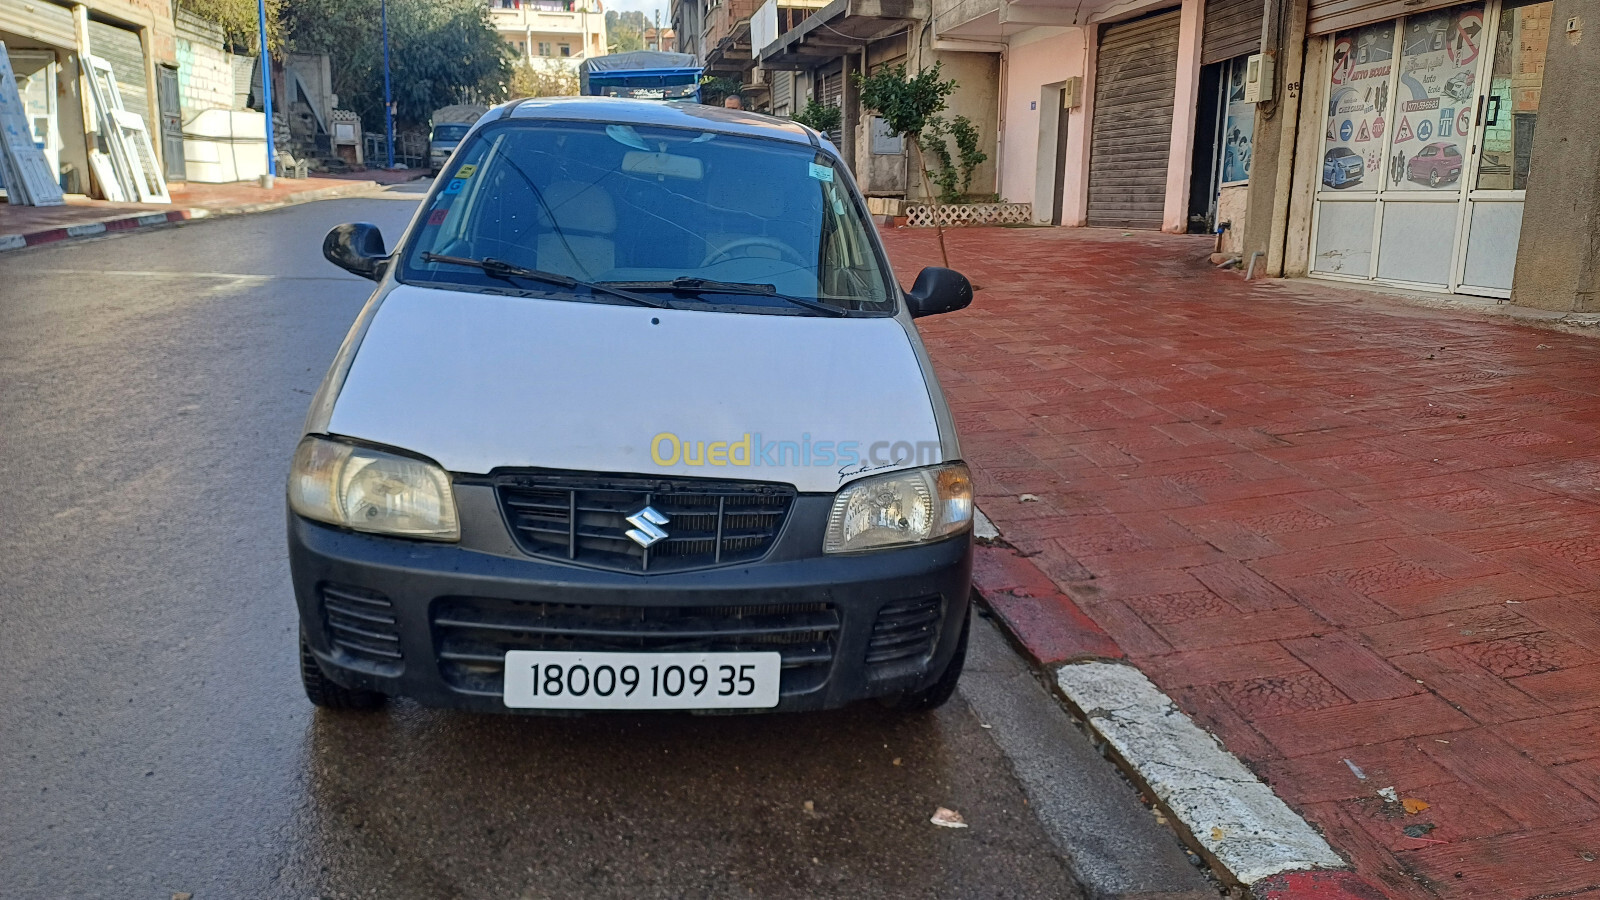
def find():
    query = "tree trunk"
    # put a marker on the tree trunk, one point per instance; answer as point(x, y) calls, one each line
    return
point(927, 188)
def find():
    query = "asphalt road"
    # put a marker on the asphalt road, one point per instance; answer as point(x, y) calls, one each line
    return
point(153, 735)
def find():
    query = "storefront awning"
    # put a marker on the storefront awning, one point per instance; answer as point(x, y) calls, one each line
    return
point(843, 26)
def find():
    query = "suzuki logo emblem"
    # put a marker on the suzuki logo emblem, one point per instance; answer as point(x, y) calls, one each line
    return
point(646, 528)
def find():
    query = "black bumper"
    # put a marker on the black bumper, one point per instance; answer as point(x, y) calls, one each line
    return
point(383, 614)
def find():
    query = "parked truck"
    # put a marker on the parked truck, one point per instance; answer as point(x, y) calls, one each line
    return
point(641, 75)
point(450, 125)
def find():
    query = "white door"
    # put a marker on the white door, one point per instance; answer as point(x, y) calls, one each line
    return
point(36, 82)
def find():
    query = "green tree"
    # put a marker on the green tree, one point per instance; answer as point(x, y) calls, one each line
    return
point(716, 88)
point(528, 80)
point(820, 116)
point(441, 52)
point(239, 22)
point(908, 105)
point(625, 30)
point(954, 177)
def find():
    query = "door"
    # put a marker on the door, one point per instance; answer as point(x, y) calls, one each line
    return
point(171, 122)
point(1508, 110)
point(1136, 76)
point(35, 71)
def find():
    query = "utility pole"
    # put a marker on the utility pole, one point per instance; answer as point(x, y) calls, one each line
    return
point(388, 103)
point(266, 91)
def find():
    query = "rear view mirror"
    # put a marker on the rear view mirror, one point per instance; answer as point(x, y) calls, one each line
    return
point(938, 291)
point(663, 165)
point(356, 248)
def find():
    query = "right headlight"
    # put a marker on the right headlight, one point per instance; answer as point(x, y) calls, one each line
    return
point(370, 490)
point(900, 508)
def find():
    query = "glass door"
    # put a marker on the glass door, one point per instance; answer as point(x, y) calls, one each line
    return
point(1507, 111)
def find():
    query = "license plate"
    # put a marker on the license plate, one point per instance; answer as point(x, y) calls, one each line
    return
point(549, 679)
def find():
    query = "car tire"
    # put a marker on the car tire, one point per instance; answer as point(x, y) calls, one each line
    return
point(322, 691)
point(1433, 178)
point(937, 694)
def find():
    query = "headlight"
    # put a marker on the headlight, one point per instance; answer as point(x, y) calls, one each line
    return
point(900, 508)
point(369, 490)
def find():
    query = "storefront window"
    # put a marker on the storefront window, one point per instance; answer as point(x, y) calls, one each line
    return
point(1358, 94)
point(1433, 112)
point(1512, 105)
point(1238, 126)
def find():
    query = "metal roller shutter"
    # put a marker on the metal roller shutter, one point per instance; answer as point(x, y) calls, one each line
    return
point(121, 48)
point(1325, 16)
point(782, 93)
point(832, 90)
point(1135, 78)
point(1232, 28)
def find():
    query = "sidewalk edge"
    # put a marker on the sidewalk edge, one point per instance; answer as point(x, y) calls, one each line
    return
point(128, 223)
point(1055, 636)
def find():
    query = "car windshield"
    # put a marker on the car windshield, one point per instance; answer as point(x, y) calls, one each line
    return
point(450, 132)
point(688, 218)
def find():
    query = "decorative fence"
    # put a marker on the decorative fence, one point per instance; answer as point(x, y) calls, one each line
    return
point(969, 214)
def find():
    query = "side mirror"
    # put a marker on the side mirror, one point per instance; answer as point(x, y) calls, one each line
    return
point(357, 248)
point(938, 291)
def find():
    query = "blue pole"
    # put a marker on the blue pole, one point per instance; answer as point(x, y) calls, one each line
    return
point(388, 104)
point(266, 86)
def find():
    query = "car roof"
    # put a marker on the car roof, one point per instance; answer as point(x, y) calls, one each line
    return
point(669, 113)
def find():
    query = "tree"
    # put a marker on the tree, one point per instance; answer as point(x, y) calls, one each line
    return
point(819, 116)
point(953, 173)
point(441, 52)
point(625, 30)
point(907, 106)
point(716, 88)
point(528, 80)
point(239, 22)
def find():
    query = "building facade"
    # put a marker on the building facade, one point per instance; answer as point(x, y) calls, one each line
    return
point(551, 33)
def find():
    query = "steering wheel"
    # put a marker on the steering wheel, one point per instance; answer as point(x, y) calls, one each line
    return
point(725, 252)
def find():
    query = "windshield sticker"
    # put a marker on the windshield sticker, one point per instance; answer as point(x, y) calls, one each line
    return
point(455, 186)
point(821, 173)
point(437, 216)
point(466, 171)
point(626, 136)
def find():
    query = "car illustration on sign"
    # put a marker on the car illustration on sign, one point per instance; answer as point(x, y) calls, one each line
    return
point(1435, 164)
point(1341, 167)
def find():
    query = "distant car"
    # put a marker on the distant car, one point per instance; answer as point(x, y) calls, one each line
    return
point(1435, 164)
point(1342, 166)
point(442, 142)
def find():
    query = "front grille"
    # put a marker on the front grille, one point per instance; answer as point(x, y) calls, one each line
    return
point(471, 635)
point(362, 624)
point(583, 519)
point(905, 630)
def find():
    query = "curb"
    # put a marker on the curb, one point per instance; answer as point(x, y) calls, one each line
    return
point(170, 217)
point(1243, 829)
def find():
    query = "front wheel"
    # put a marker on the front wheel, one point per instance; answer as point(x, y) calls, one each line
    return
point(1433, 178)
point(939, 693)
point(324, 692)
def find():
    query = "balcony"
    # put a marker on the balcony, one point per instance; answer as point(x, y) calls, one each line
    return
point(995, 20)
point(546, 21)
point(843, 26)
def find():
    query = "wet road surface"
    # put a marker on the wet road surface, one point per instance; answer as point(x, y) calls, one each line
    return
point(153, 735)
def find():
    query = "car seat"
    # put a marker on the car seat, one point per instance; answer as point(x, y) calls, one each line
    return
point(576, 226)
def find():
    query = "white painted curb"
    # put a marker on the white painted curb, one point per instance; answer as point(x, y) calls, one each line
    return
point(1236, 817)
point(982, 528)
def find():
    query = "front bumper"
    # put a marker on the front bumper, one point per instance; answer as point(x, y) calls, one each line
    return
point(406, 601)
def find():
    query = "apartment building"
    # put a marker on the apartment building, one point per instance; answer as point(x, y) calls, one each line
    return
point(551, 33)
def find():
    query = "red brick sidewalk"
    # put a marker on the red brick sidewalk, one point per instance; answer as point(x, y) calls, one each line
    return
point(1357, 539)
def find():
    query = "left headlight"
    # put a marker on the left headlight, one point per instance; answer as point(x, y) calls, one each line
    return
point(900, 508)
point(370, 490)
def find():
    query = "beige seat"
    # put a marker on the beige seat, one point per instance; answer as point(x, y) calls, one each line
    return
point(575, 234)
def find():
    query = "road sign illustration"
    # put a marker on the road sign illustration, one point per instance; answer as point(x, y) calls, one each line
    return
point(1403, 133)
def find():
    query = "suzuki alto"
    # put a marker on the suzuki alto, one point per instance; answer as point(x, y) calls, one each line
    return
point(636, 419)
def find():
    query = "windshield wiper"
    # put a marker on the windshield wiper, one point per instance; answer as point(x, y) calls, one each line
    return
point(691, 285)
point(499, 268)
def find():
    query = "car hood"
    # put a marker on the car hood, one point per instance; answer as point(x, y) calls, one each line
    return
point(478, 382)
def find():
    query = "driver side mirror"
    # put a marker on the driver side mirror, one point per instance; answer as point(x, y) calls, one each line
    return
point(938, 291)
point(356, 248)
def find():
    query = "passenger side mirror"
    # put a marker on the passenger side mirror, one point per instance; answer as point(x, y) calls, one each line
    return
point(938, 291)
point(357, 248)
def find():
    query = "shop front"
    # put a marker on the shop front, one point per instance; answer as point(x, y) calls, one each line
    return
point(1426, 127)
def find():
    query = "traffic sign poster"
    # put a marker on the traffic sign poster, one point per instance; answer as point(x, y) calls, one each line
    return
point(1358, 95)
point(1436, 87)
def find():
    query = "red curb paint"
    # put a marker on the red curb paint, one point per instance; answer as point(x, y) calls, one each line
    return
point(122, 224)
point(1315, 886)
point(1050, 627)
point(46, 237)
